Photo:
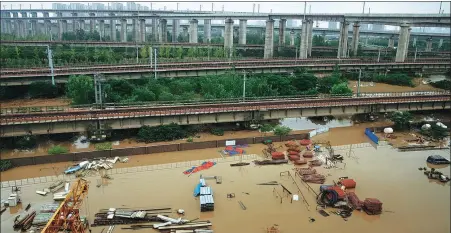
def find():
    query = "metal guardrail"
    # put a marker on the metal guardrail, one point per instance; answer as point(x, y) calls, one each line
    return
point(206, 102)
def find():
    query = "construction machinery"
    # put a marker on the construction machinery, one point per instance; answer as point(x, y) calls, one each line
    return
point(67, 216)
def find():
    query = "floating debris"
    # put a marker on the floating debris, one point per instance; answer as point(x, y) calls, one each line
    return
point(270, 162)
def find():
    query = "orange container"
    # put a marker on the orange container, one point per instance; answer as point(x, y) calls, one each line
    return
point(277, 154)
point(348, 183)
point(293, 152)
point(294, 157)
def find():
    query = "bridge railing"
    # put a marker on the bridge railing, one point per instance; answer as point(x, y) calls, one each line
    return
point(188, 103)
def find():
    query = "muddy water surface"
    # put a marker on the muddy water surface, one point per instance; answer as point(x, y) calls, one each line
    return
point(415, 204)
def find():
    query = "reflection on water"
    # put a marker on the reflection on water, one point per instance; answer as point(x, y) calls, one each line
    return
point(435, 78)
point(81, 143)
point(304, 123)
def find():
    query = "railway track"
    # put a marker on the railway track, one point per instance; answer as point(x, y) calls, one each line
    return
point(200, 66)
point(76, 114)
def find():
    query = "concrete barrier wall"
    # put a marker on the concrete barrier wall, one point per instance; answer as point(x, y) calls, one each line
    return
point(77, 156)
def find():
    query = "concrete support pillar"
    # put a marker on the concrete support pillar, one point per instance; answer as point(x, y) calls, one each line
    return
point(242, 32)
point(142, 29)
point(3, 23)
point(47, 24)
point(8, 24)
point(429, 45)
point(163, 31)
point(136, 36)
point(92, 23)
point(269, 40)
point(343, 42)
point(24, 24)
point(391, 42)
point(102, 29)
point(123, 30)
point(112, 29)
point(154, 29)
point(16, 24)
point(82, 24)
point(74, 23)
point(193, 31)
point(175, 30)
point(440, 43)
point(228, 37)
point(60, 26)
point(282, 27)
point(207, 30)
point(34, 24)
point(310, 38)
point(236, 32)
point(355, 38)
point(303, 50)
point(408, 41)
point(414, 42)
point(292, 34)
point(402, 43)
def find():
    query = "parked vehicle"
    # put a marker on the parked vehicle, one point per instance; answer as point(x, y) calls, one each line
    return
point(437, 159)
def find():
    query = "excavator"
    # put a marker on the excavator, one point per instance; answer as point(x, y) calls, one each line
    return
point(67, 216)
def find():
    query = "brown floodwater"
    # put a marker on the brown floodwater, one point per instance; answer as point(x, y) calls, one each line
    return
point(383, 87)
point(411, 203)
point(354, 134)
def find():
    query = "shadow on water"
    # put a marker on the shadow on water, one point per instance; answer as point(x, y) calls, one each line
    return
point(304, 123)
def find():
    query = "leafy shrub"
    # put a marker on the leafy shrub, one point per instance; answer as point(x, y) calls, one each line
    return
point(341, 89)
point(190, 139)
point(401, 119)
point(267, 128)
point(104, 146)
point(436, 132)
point(282, 130)
point(217, 131)
point(56, 150)
point(5, 165)
point(26, 142)
point(161, 133)
point(42, 89)
point(443, 84)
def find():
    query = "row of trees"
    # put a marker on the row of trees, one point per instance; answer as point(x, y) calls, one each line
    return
point(81, 89)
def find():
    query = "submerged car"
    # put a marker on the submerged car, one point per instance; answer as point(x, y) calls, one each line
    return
point(437, 159)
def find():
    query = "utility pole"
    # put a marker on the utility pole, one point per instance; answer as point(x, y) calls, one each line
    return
point(415, 58)
point(358, 83)
point(50, 59)
point(137, 59)
point(155, 54)
point(379, 55)
point(150, 56)
point(244, 85)
point(363, 11)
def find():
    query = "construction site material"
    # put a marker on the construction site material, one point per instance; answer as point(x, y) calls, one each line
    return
point(270, 162)
point(41, 219)
point(314, 178)
point(243, 207)
point(354, 201)
point(269, 183)
point(234, 150)
point(218, 179)
point(103, 220)
point(323, 213)
point(24, 221)
point(185, 226)
point(305, 142)
point(348, 183)
point(239, 164)
point(307, 154)
point(203, 166)
point(49, 208)
point(207, 203)
point(300, 162)
point(327, 197)
point(305, 171)
point(436, 175)
point(56, 186)
point(277, 155)
point(315, 162)
point(372, 206)
point(42, 193)
point(294, 157)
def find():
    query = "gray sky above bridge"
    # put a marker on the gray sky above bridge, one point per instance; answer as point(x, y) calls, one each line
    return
point(267, 6)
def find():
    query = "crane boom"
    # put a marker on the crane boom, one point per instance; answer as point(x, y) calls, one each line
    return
point(67, 216)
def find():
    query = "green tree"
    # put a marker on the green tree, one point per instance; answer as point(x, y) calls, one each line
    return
point(144, 52)
point(80, 89)
point(56, 150)
point(142, 94)
point(341, 89)
point(161, 133)
point(325, 84)
point(401, 119)
point(282, 130)
point(266, 128)
point(179, 53)
point(42, 89)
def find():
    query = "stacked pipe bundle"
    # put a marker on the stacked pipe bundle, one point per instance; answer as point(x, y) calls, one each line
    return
point(356, 203)
point(315, 162)
point(372, 206)
point(305, 142)
point(277, 155)
point(293, 148)
point(314, 178)
point(307, 154)
point(300, 161)
point(305, 171)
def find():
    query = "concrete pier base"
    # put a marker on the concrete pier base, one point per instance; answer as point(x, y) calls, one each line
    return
point(269, 40)
point(282, 27)
point(193, 30)
point(228, 37)
point(303, 48)
point(429, 45)
point(355, 38)
point(123, 30)
point(242, 32)
point(142, 30)
point(292, 34)
point(175, 30)
point(207, 30)
point(309, 38)
point(402, 43)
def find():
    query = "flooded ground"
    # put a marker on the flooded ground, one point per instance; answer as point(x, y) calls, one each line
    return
point(383, 87)
point(411, 202)
point(35, 102)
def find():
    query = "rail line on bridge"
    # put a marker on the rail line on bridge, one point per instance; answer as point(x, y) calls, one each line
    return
point(74, 114)
point(5, 74)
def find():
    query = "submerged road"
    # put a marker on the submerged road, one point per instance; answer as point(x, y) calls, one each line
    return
point(80, 114)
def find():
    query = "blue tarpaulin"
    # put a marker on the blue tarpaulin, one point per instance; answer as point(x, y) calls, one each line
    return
point(372, 136)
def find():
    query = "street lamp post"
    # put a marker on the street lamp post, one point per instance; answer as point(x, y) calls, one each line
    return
point(50, 59)
point(155, 54)
point(358, 83)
